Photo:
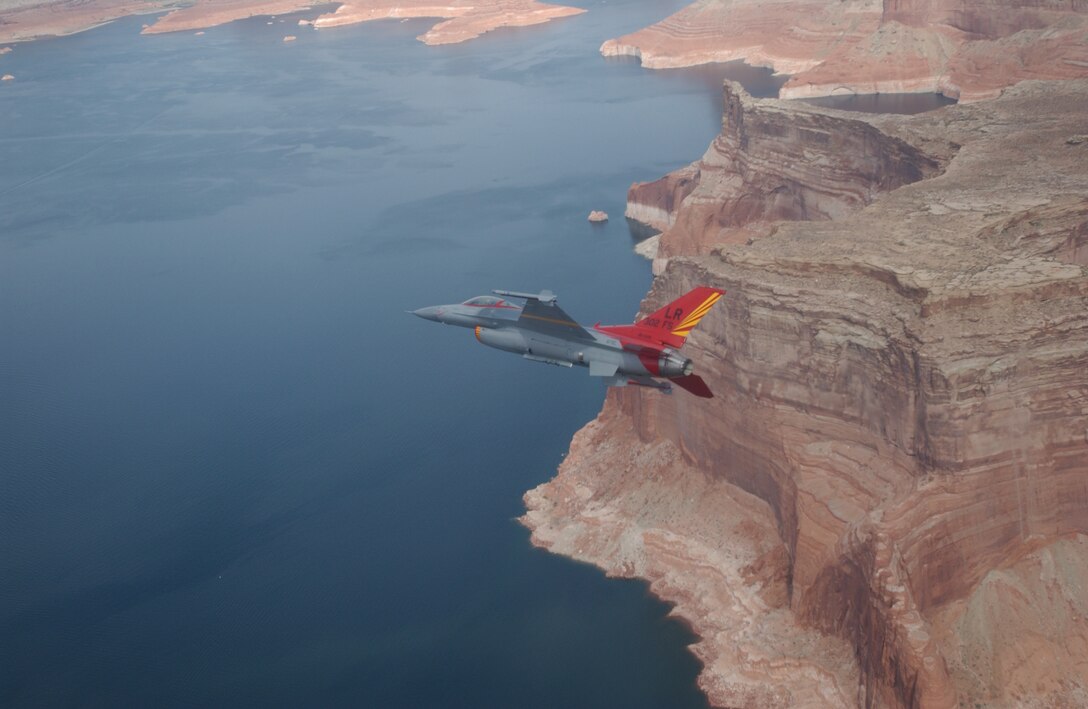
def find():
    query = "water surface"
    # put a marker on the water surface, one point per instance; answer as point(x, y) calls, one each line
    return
point(884, 103)
point(234, 471)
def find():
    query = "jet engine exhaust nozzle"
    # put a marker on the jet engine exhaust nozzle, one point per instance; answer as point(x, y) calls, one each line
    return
point(673, 365)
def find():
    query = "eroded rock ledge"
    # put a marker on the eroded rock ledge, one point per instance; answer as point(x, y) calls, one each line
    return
point(886, 503)
point(969, 51)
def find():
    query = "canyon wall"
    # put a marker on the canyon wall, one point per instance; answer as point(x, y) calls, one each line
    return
point(969, 51)
point(886, 501)
point(774, 164)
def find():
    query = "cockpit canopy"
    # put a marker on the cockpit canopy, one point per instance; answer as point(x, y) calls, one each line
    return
point(484, 301)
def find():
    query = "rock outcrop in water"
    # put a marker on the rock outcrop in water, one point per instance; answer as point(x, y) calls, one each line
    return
point(968, 51)
point(886, 503)
point(34, 19)
point(464, 20)
point(212, 13)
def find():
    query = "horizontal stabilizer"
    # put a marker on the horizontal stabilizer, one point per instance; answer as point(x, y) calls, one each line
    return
point(694, 384)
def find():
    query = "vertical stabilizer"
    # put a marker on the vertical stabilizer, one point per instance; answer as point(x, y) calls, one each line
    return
point(671, 325)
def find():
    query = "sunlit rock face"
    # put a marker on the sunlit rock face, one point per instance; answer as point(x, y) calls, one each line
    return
point(772, 163)
point(886, 501)
point(968, 51)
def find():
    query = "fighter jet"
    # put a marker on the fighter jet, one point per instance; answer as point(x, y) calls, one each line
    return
point(534, 326)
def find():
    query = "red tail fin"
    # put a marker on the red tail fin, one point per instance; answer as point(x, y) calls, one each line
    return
point(671, 325)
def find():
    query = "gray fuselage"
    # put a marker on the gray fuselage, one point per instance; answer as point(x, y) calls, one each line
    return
point(539, 330)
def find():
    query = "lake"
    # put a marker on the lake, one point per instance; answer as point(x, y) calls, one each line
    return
point(233, 470)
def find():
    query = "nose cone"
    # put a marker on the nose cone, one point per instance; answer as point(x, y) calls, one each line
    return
point(429, 313)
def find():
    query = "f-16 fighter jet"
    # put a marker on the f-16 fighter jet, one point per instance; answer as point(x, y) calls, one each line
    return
point(535, 327)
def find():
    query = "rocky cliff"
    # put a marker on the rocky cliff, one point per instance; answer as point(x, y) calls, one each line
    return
point(886, 502)
point(776, 163)
point(968, 51)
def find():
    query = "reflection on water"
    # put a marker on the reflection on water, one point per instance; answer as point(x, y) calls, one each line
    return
point(639, 231)
point(760, 82)
point(233, 471)
point(884, 103)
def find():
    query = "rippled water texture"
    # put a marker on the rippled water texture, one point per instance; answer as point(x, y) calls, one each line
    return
point(233, 471)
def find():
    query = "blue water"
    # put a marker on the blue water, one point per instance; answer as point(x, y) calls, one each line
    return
point(233, 471)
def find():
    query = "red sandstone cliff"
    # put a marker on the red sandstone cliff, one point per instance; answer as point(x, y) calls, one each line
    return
point(886, 503)
point(966, 50)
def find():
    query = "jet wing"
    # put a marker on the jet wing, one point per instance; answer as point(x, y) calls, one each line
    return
point(543, 315)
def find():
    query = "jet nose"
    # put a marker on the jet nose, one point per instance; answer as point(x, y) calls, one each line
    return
point(430, 313)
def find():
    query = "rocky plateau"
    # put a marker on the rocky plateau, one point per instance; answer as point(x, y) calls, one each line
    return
point(886, 502)
point(965, 50)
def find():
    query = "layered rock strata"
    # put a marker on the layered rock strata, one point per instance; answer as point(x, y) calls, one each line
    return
point(901, 375)
point(772, 163)
point(968, 51)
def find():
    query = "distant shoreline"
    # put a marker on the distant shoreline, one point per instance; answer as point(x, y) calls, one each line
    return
point(459, 21)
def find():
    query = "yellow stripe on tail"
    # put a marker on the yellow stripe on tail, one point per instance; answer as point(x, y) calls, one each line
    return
point(693, 318)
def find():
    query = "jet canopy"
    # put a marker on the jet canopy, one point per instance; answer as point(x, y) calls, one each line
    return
point(484, 301)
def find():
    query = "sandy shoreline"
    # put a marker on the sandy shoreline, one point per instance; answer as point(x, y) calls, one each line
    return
point(61, 19)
